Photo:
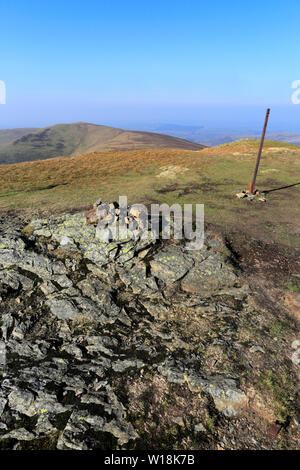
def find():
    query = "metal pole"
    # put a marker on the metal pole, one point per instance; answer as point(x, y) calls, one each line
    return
point(252, 183)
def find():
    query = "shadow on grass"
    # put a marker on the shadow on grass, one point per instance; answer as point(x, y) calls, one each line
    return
point(51, 186)
point(282, 187)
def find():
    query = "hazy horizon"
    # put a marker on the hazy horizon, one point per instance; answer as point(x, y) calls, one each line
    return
point(238, 118)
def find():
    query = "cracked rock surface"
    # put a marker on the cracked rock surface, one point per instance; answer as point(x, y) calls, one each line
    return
point(125, 345)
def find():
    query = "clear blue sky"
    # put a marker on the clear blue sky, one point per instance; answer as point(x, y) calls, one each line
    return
point(128, 61)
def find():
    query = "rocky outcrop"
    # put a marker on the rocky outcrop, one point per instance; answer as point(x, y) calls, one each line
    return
point(89, 329)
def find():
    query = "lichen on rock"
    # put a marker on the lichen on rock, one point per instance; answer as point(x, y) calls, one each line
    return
point(110, 345)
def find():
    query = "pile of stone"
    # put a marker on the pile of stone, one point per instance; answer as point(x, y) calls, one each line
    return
point(109, 216)
point(258, 196)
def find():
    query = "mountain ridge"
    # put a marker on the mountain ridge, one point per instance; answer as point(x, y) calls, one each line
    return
point(63, 140)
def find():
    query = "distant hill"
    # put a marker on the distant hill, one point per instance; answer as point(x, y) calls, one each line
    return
point(63, 140)
point(288, 137)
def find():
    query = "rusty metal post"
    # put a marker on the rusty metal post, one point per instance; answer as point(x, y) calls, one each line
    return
point(252, 183)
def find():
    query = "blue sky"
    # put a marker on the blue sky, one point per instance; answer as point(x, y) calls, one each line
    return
point(122, 62)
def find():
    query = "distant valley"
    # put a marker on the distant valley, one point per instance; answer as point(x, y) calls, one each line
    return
point(64, 140)
point(211, 136)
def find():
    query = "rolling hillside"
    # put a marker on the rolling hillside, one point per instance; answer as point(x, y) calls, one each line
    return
point(7, 136)
point(103, 340)
point(63, 140)
point(211, 176)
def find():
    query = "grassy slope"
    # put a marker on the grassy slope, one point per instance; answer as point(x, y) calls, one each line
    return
point(78, 138)
point(211, 176)
point(7, 136)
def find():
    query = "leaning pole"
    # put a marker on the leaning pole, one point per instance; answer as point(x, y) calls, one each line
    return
point(252, 182)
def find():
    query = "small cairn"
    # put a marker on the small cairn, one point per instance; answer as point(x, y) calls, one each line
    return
point(257, 196)
point(133, 218)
